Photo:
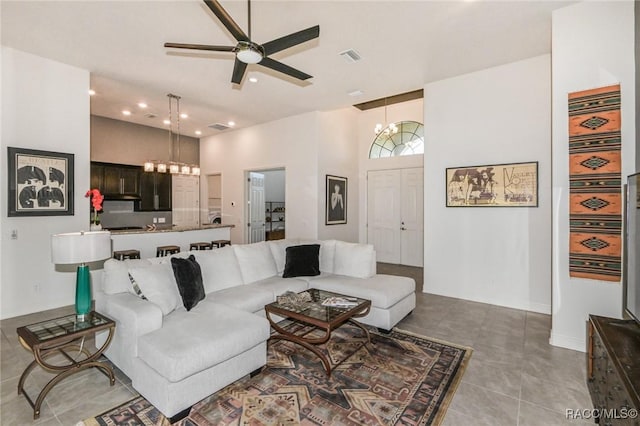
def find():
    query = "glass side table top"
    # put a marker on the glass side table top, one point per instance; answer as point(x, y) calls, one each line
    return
point(50, 329)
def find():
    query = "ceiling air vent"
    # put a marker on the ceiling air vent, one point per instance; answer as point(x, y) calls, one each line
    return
point(150, 115)
point(350, 55)
point(218, 126)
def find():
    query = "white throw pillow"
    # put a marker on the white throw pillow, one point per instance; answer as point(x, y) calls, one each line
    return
point(278, 251)
point(116, 275)
point(255, 260)
point(354, 260)
point(158, 285)
point(220, 268)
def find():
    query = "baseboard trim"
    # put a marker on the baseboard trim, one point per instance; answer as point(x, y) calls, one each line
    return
point(540, 308)
point(568, 342)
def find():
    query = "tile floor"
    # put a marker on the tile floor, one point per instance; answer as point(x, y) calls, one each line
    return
point(514, 377)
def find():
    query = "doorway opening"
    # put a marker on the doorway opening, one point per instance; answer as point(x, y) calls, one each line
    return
point(266, 206)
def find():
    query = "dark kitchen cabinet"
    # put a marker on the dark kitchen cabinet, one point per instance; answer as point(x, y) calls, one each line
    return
point(155, 191)
point(115, 180)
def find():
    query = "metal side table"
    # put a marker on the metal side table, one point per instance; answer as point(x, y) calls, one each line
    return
point(61, 336)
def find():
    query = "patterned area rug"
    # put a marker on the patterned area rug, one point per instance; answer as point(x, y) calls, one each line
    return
point(398, 378)
point(595, 206)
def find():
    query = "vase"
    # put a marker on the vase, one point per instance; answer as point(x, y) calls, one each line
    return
point(95, 227)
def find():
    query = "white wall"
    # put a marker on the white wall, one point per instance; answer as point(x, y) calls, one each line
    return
point(492, 255)
point(366, 121)
point(290, 143)
point(593, 46)
point(338, 156)
point(45, 106)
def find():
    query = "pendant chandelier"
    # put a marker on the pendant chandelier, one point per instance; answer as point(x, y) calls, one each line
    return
point(391, 128)
point(174, 167)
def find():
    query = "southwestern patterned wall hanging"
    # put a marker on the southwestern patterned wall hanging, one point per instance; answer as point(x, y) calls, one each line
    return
point(500, 185)
point(595, 198)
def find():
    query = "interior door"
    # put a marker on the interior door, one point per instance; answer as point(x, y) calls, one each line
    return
point(186, 200)
point(383, 206)
point(412, 217)
point(395, 215)
point(256, 207)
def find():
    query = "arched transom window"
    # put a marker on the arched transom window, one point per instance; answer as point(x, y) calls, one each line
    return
point(408, 140)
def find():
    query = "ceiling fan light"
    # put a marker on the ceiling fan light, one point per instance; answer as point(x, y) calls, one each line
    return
point(249, 55)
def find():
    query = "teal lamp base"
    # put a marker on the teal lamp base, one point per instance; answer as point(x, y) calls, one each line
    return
point(83, 292)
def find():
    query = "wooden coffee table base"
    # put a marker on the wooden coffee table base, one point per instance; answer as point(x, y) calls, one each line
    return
point(310, 343)
point(313, 316)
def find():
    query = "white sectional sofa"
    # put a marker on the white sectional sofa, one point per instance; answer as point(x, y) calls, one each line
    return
point(176, 357)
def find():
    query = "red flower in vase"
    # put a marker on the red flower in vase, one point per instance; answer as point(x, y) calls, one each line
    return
point(96, 201)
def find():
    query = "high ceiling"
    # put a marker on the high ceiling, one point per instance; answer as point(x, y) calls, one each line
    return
point(403, 45)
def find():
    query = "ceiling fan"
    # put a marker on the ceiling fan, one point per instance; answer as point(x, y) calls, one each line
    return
point(249, 52)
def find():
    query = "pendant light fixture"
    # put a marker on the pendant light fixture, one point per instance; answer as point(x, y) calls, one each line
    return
point(390, 129)
point(174, 167)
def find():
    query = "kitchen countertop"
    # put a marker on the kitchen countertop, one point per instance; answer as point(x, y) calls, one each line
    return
point(174, 229)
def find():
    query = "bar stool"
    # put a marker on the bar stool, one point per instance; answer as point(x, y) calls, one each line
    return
point(220, 243)
point(126, 254)
point(166, 250)
point(201, 246)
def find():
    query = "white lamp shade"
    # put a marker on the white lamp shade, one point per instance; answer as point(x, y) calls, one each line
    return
point(80, 247)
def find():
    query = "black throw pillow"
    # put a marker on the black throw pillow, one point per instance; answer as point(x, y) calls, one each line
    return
point(189, 279)
point(302, 261)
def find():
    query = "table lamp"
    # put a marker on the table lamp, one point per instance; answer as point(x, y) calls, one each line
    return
point(81, 248)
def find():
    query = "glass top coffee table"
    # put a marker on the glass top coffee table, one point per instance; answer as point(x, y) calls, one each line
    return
point(323, 318)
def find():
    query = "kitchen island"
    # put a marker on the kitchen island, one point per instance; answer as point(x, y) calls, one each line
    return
point(147, 241)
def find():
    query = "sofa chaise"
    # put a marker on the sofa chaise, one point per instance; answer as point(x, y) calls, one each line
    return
point(176, 357)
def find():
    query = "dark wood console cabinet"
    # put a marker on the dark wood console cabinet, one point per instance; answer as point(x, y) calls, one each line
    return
point(613, 370)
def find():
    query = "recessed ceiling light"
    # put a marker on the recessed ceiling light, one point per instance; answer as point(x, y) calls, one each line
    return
point(183, 115)
point(253, 79)
point(356, 93)
point(166, 122)
point(142, 105)
point(231, 123)
point(92, 92)
point(198, 132)
point(126, 112)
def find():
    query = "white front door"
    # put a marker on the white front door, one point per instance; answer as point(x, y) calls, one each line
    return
point(383, 206)
point(395, 215)
point(185, 192)
point(412, 218)
point(256, 207)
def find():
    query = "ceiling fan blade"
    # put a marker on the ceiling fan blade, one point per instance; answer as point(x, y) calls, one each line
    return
point(285, 69)
point(239, 68)
point(201, 47)
point(291, 40)
point(226, 20)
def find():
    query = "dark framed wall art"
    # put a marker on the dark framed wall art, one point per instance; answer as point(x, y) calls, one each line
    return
point(40, 183)
point(497, 185)
point(336, 200)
